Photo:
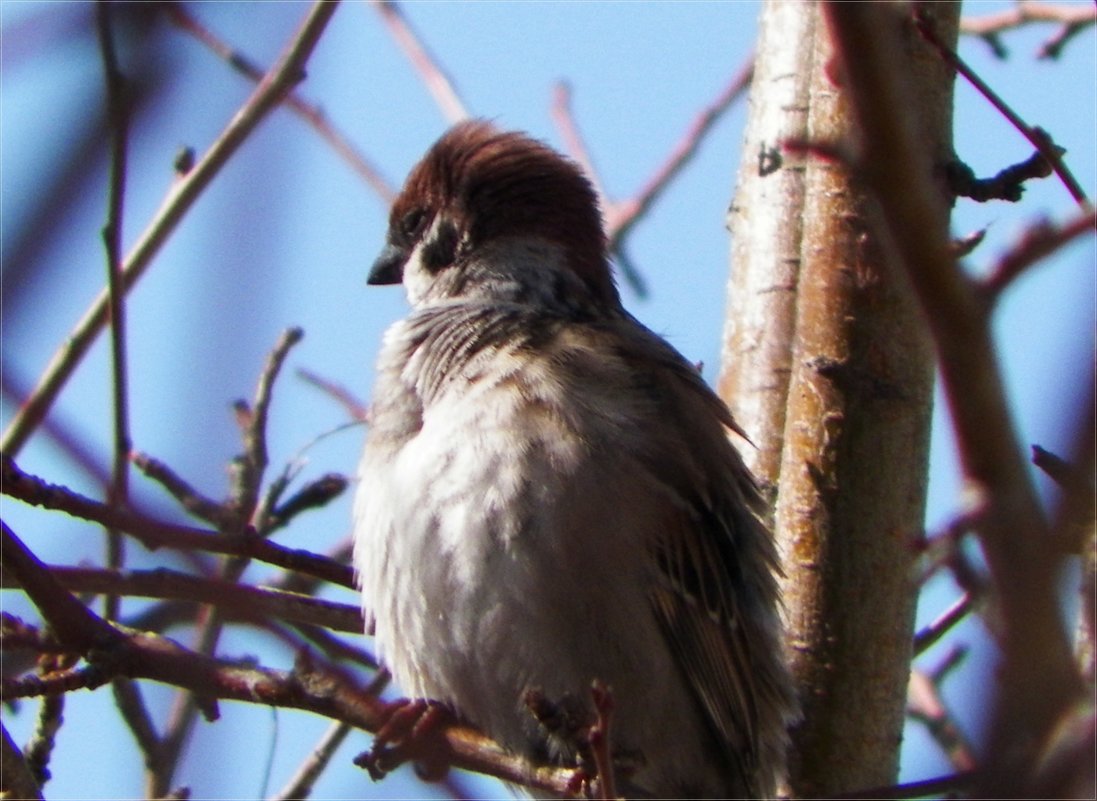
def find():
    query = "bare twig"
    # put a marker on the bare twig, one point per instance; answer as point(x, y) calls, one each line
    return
point(926, 706)
point(312, 496)
point(358, 410)
point(574, 143)
point(321, 690)
point(438, 83)
point(188, 497)
point(1007, 184)
point(179, 14)
point(18, 782)
point(130, 702)
point(1068, 476)
point(627, 213)
point(932, 633)
point(70, 620)
point(283, 76)
point(50, 713)
point(253, 463)
point(1071, 20)
point(118, 115)
point(300, 784)
point(247, 518)
point(153, 533)
point(51, 685)
point(622, 215)
point(1037, 242)
point(1036, 136)
point(244, 601)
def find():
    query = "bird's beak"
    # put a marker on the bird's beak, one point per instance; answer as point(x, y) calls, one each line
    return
point(389, 267)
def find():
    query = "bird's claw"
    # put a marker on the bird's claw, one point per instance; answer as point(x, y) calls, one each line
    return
point(409, 727)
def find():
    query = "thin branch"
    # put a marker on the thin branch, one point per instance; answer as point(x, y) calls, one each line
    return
point(287, 72)
point(188, 497)
point(931, 634)
point(600, 739)
point(321, 690)
point(17, 634)
point(629, 212)
point(118, 116)
point(1037, 242)
point(358, 410)
point(926, 706)
point(154, 533)
point(300, 784)
point(334, 648)
point(17, 779)
point(50, 715)
point(245, 494)
point(1007, 184)
point(574, 143)
point(247, 519)
point(622, 215)
point(313, 495)
point(1039, 138)
point(1071, 19)
point(244, 601)
point(180, 15)
point(70, 620)
point(131, 705)
point(435, 78)
point(51, 685)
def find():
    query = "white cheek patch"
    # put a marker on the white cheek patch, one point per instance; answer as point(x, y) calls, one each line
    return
point(417, 279)
point(419, 275)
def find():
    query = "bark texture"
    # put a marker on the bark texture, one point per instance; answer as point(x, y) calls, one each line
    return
point(829, 367)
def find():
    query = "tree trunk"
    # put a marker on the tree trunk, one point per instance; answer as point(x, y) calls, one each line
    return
point(828, 366)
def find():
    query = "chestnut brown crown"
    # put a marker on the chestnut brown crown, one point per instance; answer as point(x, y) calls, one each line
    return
point(477, 185)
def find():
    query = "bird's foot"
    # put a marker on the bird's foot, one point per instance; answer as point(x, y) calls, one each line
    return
point(410, 728)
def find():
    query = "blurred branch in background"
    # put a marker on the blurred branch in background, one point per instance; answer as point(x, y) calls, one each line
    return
point(1071, 19)
point(274, 86)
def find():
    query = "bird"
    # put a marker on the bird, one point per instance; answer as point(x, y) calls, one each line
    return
point(549, 496)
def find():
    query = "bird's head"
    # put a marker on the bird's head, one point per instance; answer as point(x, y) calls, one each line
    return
point(496, 215)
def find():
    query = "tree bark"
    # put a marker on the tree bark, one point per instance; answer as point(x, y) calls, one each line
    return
point(829, 368)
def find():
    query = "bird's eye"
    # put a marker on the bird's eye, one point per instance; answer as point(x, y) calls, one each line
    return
point(411, 224)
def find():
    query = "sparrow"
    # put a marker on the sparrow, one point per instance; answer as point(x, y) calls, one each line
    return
point(549, 497)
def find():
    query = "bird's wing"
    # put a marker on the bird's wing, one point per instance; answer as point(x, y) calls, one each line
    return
point(715, 566)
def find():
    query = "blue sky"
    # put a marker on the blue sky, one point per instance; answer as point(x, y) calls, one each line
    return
point(285, 235)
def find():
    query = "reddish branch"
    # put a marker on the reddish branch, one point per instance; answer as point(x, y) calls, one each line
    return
point(622, 215)
point(627, 213)
point(112, 651)
point(1071, 19)
point(1037, 242)
point(1036, 136)
point(306, 109)
point(945, 622)
point(246, 602)
point(926, 705)
point(353, 405)
point(438, 83)
point(155, 534)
